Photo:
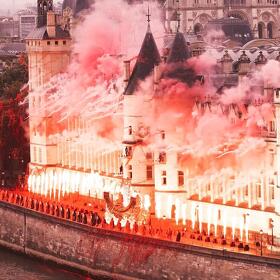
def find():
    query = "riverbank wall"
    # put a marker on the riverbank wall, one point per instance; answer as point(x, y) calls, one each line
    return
point(104, 253)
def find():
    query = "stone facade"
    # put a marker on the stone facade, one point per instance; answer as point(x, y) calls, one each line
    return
point(262, 15)
point(103, 253)
point(63, 162)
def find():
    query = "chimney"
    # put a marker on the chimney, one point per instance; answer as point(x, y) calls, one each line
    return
point(126, 71)
point(51, 24)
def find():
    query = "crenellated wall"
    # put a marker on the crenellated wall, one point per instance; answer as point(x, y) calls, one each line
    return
point(104, 253)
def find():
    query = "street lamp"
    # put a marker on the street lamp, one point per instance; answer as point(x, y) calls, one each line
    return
point(261, 233)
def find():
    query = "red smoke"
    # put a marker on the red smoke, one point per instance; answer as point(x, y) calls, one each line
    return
point(212, 132)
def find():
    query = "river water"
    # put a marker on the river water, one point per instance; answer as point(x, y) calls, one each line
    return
point(18, 267)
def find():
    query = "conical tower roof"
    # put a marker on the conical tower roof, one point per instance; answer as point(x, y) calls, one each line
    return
point(179, 51)
point(147, 59)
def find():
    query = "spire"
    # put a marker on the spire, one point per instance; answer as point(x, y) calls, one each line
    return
point(149, 19)
point(147, 59)
point(179, 51)
point(178, 15)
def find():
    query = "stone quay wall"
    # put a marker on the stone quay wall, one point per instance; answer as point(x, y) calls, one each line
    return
point(111, 255)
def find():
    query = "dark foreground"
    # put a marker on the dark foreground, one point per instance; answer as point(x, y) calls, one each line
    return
point(15, 266)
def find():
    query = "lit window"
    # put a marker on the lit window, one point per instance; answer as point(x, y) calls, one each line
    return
point(181, 180)
point(128, 151)
point(163, 178)
point(149, 172)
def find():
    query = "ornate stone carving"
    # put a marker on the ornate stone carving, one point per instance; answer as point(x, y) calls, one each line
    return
point(214, 13)
point(265, 17)
point(67, 15)
point(203, 19)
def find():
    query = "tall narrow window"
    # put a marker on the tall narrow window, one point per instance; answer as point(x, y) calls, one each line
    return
point(181, 180)
point(272, 126)
point(40, 155)
point(129, 172)
point(149, 156)
point(163, 178)
point(35, 154)
point(149, 172)
point(162, 157)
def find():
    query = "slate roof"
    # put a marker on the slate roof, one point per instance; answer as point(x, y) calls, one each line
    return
point(40, 33)
point(179, 51)
point(177, 68)
point(147, 59)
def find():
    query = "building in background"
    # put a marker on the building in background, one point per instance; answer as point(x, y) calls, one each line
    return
point(9, 27)
point(27, 21)
point(263, 16)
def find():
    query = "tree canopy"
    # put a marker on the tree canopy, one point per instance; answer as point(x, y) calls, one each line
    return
point(14, 142)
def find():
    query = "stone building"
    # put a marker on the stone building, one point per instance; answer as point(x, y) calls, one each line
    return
point(63, 163)
point(263, 16)
point(48, 48)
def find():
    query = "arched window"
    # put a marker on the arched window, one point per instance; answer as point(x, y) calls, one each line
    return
point(261, 30)
point(271, 30)
point(197, 28)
